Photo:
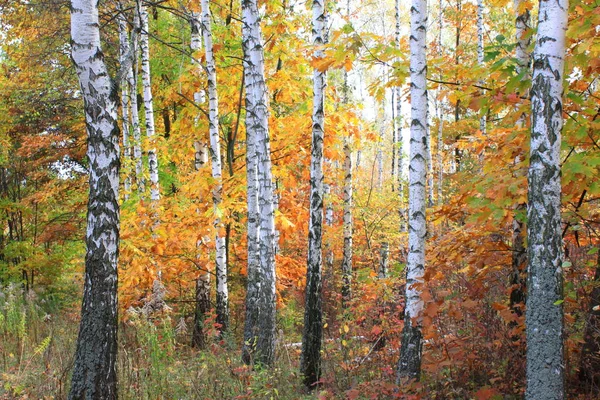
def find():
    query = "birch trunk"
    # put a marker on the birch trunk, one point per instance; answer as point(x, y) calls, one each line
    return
point(347, 257)
point(259, 329)
point(124, 55)
point(544, 314)
point(95, 367)
point(409, 366)
point(383, 260)
point(440, 133)
point(519, 254)
point(222, 306)
point(312, 335)
point(132, 78)
point(148, 102)
point(480, 55)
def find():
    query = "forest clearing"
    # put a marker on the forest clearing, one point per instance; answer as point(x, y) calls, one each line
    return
point(280, 199)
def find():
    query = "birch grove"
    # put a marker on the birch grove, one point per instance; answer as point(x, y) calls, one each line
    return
point(95, 365)
point(544, 313)
point(259, 327)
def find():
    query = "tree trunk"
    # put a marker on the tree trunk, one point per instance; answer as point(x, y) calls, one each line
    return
point(202, 309)
point(544, 314)
point(259, 329)
point(383, 260)
point(222, 305)
point(310, 360)
point(519, 254)
point(95, 367)
point(148, 102)
point(132, 78)
point(347, 228)
point(409, 366)
point(480, 54)
point(124, 55)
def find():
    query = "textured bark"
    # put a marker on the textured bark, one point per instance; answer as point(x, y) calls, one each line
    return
point(589, 368)
point(132, 78)
point(383, 260)
point(519, 254)
point(124, 55)
point(222, 304)
point(310, 359)
point(148, 102)
point(480, 54)
point(347, 228)
point(95, 368)
point(201, 311)
point(544, 314)
point(410, 352)
point(259, 329)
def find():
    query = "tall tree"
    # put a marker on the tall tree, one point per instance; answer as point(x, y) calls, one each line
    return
point(480, 52)
point(132, 79)
point(222, 305)
point(259, 328)
point(148, 101)
point(310, 360)
point(124, 56)
point(95, 368)
point(519, 254)
point(409, 366)
point(544, 314)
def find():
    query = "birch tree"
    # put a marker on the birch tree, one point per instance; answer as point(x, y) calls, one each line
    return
point(95, 366)
point(519, 254)
point(124, 55)
point(202, 298)
point(148, 101)
point(480, 53)
point(310, 360)
point(409, 366)
point(544, 313)
point(132, 79)
point(259, 328)
point(222, 305)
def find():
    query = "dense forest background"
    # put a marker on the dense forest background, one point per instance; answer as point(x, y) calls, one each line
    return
point(183, 253)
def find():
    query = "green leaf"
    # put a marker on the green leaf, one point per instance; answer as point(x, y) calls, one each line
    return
point(558, 302)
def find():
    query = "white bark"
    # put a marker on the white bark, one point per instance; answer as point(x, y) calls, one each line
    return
point(148, 102)
point(124, 54)
point(215, 145)
point(440, 115)
point(544, 313)
point(259, 331)
point(347, 256)
point(480, 54)
point(398, 92)
point(310, 361)
point(132, 78)
point(95, 366)
point(410, 356)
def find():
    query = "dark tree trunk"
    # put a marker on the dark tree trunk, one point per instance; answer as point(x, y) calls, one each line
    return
point(589, 368)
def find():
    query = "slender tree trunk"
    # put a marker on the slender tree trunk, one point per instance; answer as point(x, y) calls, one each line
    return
point(310, 359)
point(347, 228)
point(440, 110)
point(124, 55)
point(132, 78)
point(480, 54)
point(519, 254)
point(148, 102)
point(95, 367)
point(259, 329)
point(383, 260)
point(544, 314)
point(222, 307)
point(409, 366)
point(429, 152)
